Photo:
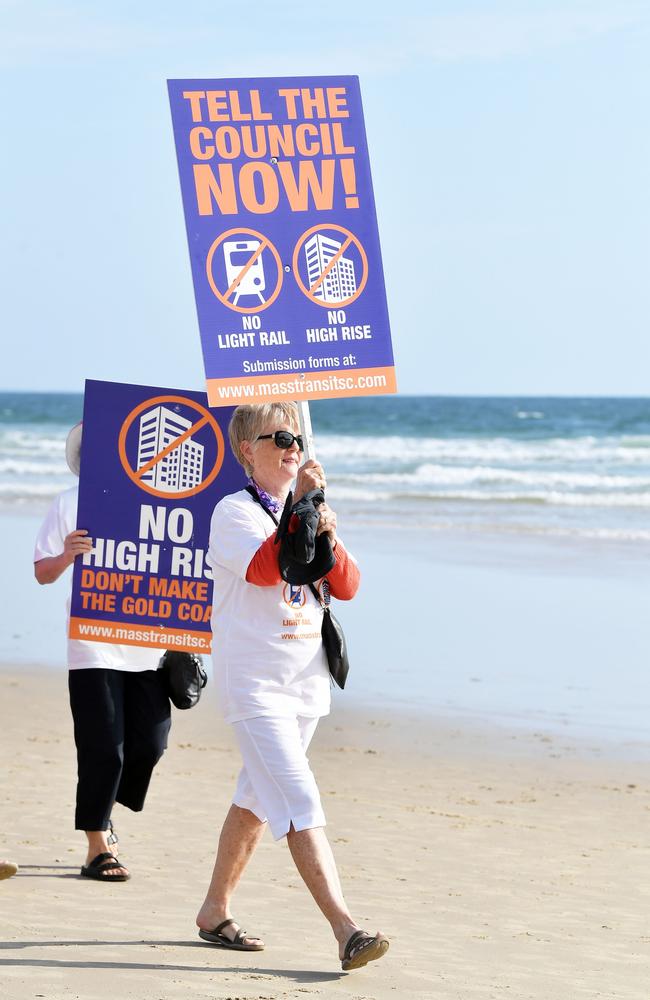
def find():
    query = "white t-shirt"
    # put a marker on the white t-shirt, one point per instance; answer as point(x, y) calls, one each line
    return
point(59, 521)
point(266, 641)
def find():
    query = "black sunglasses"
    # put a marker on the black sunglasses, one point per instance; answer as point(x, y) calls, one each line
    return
point(283, 439)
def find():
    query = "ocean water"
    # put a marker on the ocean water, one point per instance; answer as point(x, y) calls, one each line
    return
point(559, 467)
point(520, 597)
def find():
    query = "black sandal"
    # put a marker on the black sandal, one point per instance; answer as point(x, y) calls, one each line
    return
point(237, 944)
point(363, 948)
point(100, 865)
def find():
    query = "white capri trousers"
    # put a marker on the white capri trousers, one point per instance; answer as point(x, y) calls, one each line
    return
point(276, 782)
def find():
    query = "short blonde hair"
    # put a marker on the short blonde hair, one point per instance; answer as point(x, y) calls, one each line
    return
point(248, 421)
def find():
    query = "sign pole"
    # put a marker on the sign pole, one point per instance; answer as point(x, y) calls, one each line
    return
point(304, 419)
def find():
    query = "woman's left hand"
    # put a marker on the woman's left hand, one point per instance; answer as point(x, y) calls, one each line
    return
point(327, 522)
point(311, 476)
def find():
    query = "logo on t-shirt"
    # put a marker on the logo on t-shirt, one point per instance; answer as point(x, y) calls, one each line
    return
point(294, 597)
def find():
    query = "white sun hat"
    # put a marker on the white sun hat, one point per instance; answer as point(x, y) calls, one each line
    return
point(73, 449)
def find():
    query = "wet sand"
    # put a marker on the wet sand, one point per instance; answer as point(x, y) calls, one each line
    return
point(499, 864)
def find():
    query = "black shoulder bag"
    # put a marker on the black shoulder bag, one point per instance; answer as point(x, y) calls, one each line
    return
point(183, 676)
point(336, 649)
point(334, 642)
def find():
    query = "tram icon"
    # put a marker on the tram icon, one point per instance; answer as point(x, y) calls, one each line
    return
point(236, 255)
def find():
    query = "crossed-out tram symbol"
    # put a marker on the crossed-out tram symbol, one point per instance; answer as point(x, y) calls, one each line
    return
point(293, 596)
point(243, 273)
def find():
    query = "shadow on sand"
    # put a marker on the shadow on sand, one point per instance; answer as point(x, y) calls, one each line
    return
point(294, 975)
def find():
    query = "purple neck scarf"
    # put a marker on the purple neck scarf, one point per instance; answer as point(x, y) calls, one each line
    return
point(271, 503)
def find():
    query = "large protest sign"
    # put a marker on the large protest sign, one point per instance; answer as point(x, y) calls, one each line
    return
point(283, 238)
point(154, 463)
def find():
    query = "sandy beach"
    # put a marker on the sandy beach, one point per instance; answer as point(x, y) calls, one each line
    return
point(499, 863)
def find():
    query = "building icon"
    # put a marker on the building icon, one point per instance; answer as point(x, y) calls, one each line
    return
point(340, 281)
point(182, 468)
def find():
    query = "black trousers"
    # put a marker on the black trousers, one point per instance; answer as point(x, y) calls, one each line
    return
point(121, 724)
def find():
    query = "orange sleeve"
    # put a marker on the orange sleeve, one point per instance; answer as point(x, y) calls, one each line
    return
point(345, 577)
point(263, 569)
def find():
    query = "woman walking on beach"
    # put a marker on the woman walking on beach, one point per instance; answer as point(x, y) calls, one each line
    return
point(119, 704)
point(273, 680)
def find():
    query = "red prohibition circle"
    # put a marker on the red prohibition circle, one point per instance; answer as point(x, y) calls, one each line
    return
point(207, 418)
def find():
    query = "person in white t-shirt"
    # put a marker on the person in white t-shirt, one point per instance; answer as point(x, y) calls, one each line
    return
point(119, 705)
point(273, 680)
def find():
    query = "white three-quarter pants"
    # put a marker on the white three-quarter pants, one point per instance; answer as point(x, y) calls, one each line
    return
point(276, 782)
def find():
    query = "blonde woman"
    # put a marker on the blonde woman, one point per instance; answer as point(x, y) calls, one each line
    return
point(273, 680)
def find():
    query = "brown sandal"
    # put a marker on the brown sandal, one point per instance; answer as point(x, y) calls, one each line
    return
point(363, 948)
point(237, 943)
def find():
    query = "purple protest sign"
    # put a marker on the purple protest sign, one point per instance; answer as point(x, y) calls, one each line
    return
point(283, 238)
point(154, 462)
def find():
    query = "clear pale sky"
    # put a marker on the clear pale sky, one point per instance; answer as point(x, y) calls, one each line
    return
point(510, 151)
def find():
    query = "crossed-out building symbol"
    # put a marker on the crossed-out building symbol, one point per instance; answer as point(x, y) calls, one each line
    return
point(340, 281)
point(182, 468)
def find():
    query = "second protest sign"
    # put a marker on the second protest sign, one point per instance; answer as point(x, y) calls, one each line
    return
point(154, 463)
